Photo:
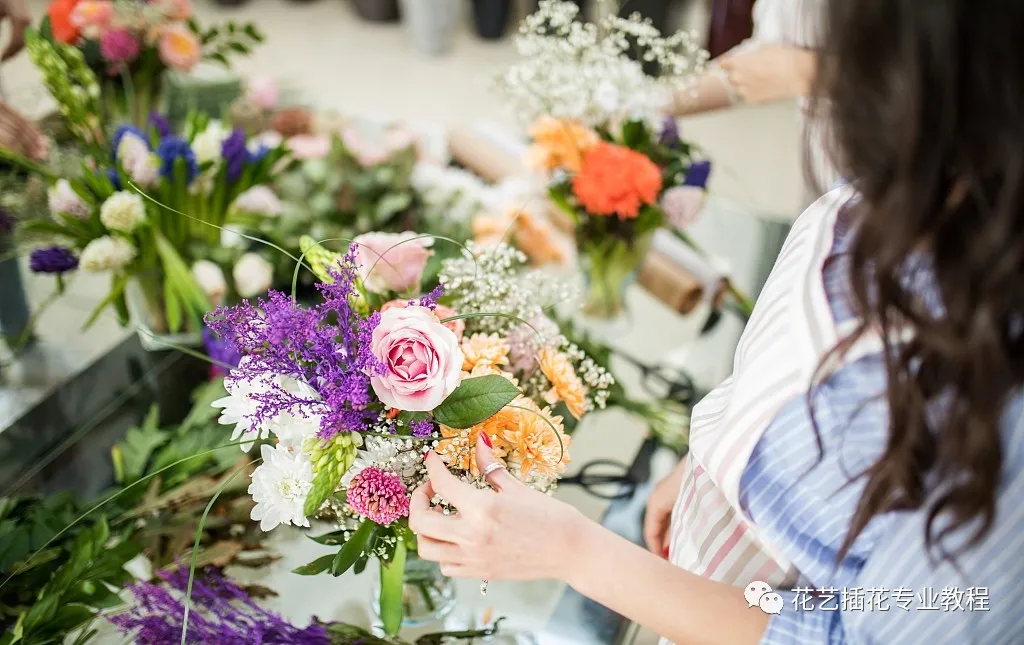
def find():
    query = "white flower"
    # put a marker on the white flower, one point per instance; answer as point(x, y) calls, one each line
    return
point(292, 427)
point(386, 454)
point(122, 211)
point(683, 205)
point(211, 280)
point(239, 406)
point(106, 254)
point(606, 96)
point(452, 193)
point(253, 275)
point(207, 144)
point(259, 200)
point(269, 138)
point(231, 239)
point(280, 486)
point(62, 199)
point(138, 160)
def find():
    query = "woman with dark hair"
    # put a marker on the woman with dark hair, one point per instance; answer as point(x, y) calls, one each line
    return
point(867, 455)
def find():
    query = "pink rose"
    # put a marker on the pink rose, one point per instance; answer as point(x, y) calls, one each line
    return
point(397, 260)
point(440, 311)
point(421, 357)
point(179, 48)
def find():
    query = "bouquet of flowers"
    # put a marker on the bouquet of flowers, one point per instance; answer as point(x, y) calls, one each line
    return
point(154, 209)
point(358, 387)
point(129, 45)
point(615, 168)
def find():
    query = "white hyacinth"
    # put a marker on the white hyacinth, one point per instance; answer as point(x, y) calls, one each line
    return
point(207, 144)
point(280, 485)
point(253, 275)
point(259, 200)
point(123, 211)
point(107, 253)
point(138, 160)
point(210, 278)
point(63, 200)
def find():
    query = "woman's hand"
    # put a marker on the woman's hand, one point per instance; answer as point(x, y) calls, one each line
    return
point(21, 18)
point(512, 532)
point(659, 511)
point(768, 72)
point(20, 134)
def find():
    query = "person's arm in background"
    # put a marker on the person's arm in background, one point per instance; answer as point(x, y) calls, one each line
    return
point(16, 13)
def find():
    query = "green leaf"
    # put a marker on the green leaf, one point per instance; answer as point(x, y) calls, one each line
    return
point(172, 306)
point(350, 552)
point(324, 483)
point(69, 617)
point(321, 564)
point(131, 454)
point(391, 204)
point(334, 538)
point(118, 284)
point(635, 135)
point(475, 400)
point(392, 577)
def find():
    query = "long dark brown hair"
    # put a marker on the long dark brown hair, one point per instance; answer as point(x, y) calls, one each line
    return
point(925, 100)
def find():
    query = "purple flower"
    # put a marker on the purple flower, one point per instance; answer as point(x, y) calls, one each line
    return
point(220, 613)
point(669, 132)
point(422, 428)
point(54, 259)
point(220, 350)
point(160, 124)
point(235, 154)
point(698, 174)
point(170, 150)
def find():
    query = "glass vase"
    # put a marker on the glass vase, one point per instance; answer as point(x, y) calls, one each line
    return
point(427, 595)
point(145, 299)
point(609, 266)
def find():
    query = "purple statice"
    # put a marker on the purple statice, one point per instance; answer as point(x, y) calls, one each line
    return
point(430, 300)
point(669, 132)
point(170, 150)
point(53, 259)
point(120, 133)
point(235, 154)
point(698, 174)
point(421, 428)
point(220, 613)
point(160, 123)
point(222, 351)
point(326, 345)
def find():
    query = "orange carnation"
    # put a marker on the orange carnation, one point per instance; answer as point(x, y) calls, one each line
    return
point(559, 143)
point(63, 29)
point(615, 180)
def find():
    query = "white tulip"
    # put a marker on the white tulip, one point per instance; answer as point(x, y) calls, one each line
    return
point(211, 280)
point(253, 275)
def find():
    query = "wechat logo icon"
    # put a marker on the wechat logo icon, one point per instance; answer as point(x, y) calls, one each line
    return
point(760, 594)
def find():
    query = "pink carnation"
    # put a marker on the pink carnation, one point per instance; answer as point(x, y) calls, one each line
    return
point(119, 46)
point(378, 495)
point(392, 261)
point(421, 358)
point(179, 48)
point(440, 311)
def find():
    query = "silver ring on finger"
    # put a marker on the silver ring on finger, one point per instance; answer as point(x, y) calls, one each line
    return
point(492, 468)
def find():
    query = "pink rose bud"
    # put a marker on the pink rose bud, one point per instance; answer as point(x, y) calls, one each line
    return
point(392, 261)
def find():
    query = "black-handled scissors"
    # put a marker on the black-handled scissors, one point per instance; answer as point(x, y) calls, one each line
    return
point(663, 382)
point(604, 479)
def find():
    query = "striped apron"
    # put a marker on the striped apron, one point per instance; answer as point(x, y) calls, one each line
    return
point(791, 329)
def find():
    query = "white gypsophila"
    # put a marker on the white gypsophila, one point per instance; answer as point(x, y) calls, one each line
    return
point(123, 211)
point(303, 420)
point(239, 407)
point(253, 275)
point(584, 71)
point(210, 278)
point(259, 200)
point(453, 193)
point(396, 454)
point(62, 199)
point(207, 144)
point(107, 253)
point(522, 192)
point(280, 485)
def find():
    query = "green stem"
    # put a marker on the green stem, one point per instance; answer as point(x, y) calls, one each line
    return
point(425, 593)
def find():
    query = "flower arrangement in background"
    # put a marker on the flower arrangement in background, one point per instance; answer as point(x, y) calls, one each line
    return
point(152, 210)
point(356, 388)
point(129, 46)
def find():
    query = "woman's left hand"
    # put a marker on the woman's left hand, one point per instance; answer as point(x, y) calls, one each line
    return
point(512, 532)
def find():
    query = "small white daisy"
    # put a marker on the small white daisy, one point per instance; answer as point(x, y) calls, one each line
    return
point(280, 486)
point(239, 407)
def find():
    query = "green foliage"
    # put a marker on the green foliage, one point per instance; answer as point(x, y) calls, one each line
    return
point(221, 43)
point(475, 400)
point(392, 577)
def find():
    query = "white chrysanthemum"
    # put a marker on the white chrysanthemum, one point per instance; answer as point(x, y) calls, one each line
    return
point(239, 406)
point(210, 278)
point(207, 144)
point(253, 275)
point(122, 211)
point(293, 427)
point(138, 160)
point(259, 200)
point(106, 253)
point(62, 199)
point(280, 486)
point(392, 454)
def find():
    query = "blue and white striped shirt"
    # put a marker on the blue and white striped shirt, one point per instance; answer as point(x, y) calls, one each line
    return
point(883, 589)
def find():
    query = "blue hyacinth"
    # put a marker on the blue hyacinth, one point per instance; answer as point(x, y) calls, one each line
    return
point(170, 150)
point(698, 174)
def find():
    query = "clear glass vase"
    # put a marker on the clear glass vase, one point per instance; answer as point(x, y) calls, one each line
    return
point(427, 594)
point(609, 266)
point(148, 314)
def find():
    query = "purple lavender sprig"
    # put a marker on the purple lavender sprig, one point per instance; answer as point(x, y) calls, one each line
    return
point(220, 613)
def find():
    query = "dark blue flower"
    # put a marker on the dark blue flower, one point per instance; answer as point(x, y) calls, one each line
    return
point(698, 174)
point(235, 154)
point(112, 175)
point(120, 133)
point(669, 132)
point(161, 124)
point(259, 154)
point(54, 259)
point(170, 150)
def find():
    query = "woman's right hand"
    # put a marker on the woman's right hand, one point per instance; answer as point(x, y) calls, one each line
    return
point(659, 511)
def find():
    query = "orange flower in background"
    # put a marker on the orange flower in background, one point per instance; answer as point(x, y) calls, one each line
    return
point(179, 48)
point(566, 385)
point(559, 143)
point(615, 180)
point(538, 239)
point(61, 25)
point(489, 229)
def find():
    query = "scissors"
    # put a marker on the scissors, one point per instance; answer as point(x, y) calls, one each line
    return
point(604, 479)
point(663, 382)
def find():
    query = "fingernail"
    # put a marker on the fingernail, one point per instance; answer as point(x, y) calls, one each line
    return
point(664, 553)
point(487, 440)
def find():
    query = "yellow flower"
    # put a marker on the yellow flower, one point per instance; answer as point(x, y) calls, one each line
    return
point(483, 350)
point(537, 442)
point(559, 143)
point(566, 385)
